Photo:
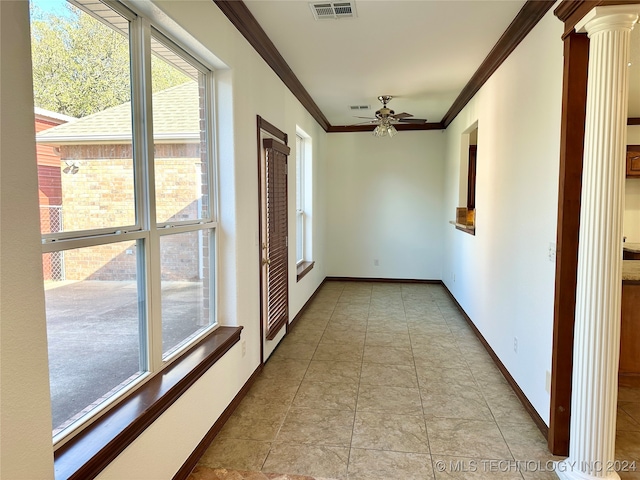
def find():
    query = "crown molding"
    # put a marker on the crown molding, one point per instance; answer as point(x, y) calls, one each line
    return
point(401, 127)
point(572, 11)
point(567, 8)
point(240, 16)
point(527, 18)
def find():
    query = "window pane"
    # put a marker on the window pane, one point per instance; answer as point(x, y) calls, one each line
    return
point(299, 172)
point(82, 93)
point(299, 237)
point(93, 328)
point(299, 199)
point(181, 160)
point(185, 261)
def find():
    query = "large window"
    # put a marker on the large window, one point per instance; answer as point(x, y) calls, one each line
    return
point(303, 203)
point(126, 179)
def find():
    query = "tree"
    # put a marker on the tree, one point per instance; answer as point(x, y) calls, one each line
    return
point(81, 66)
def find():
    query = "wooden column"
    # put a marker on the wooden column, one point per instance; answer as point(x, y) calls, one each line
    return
point(576, 58)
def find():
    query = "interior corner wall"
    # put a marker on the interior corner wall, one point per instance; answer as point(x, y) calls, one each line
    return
point(503, 277)
point(25, 410)
point(384, 201)
point(632, 194)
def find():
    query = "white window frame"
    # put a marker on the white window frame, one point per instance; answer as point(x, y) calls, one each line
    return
point(146, 231)
point(304, 203)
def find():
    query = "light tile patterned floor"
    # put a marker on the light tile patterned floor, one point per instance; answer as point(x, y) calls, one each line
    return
point(385, 381)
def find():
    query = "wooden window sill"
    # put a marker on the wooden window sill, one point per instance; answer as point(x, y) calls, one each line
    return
point(89, 452)
point(464, 228)
point(302, 269)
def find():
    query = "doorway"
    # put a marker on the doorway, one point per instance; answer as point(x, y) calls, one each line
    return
point(273, 155)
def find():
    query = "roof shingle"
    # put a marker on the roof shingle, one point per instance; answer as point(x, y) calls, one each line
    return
point(176, 116)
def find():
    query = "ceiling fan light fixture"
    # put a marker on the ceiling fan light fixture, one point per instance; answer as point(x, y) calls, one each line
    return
point(380, 131)
point(391, 130)
point(384, 128)
point(385, 118)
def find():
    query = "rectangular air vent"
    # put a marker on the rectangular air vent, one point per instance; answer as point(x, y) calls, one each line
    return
point(333, 10)
point(359, 107)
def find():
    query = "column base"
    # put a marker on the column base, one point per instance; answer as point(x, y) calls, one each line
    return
point(570, 470)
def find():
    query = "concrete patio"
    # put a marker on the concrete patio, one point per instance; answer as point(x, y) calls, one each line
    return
point(93, 330)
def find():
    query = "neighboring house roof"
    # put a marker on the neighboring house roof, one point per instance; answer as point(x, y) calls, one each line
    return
point(43, 114)
point(176, 117)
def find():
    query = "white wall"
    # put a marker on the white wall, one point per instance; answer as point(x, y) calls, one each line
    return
point(503, 277)
point(632, 195)
point(248, 88)
point(385, 201)
point(25, 415)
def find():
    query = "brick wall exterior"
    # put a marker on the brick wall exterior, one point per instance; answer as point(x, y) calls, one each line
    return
point(101, 194)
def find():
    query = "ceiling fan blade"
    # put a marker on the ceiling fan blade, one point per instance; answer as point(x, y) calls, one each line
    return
point(370, 122)
point(398, 116)
point(367, 118)
point(413, 120)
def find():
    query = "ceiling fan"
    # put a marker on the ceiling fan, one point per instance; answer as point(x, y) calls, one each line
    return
point(385, 118)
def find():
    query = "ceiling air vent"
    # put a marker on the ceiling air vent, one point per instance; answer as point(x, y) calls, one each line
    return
point(334, 10)
point(359, 107)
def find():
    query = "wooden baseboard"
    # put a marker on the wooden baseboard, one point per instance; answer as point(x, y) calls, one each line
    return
point(192, 461)
point(382, 280)
point(542, 426)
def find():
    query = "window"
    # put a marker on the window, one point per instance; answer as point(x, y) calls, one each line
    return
point(127, 201)
point(466, 215)
point(299, 200)
point(303, 203)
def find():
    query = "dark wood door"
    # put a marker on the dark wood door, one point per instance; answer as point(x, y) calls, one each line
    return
point(274, 228)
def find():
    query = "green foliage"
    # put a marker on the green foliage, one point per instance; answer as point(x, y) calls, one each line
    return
point(81, 66)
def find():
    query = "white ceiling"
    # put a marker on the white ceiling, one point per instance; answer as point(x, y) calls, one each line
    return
point(423, 52)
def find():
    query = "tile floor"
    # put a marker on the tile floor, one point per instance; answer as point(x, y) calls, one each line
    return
point(628, 435)
point(382, 381)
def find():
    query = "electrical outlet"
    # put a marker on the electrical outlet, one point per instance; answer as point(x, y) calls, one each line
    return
point(547, 385)
point(515, 344)
point(244, 347)
point(376, 262)
point(552, 252)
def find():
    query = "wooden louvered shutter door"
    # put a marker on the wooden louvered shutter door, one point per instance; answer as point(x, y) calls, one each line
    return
point(277, 276)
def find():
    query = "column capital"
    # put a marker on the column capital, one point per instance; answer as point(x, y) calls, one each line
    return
point(611, 17)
